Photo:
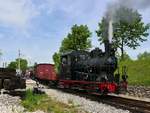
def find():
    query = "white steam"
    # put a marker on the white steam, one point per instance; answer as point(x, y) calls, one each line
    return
point(116, 9)
point(110, 31)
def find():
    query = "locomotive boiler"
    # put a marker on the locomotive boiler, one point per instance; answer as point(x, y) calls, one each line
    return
point(99, 66)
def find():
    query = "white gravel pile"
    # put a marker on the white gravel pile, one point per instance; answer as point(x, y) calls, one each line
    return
point(10, 104)
point(83, 103)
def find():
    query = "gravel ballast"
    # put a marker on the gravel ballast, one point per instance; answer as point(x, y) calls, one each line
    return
point(11, 104)
point(83, 103)
point(139, 91)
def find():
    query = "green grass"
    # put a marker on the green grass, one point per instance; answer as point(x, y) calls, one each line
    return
point(138, 71)
point(33, 102)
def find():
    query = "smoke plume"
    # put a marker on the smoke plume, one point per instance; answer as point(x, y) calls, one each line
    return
point(122, 10)
point(135, 4)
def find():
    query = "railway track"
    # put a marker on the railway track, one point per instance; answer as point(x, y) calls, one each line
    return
point(20, 93)
point(135, 106)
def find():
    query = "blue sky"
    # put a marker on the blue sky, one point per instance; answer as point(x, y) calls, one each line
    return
point(37, 27)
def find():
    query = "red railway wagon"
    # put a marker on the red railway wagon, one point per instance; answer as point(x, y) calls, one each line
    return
point(45, 73)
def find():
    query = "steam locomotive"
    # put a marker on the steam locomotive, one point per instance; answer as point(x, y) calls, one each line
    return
point(92, 71)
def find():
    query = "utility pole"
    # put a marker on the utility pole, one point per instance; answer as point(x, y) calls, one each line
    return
point(19, 54)
point(3, 64)
point(0, 56)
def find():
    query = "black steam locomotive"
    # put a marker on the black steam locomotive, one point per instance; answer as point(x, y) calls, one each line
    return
point(92, 71)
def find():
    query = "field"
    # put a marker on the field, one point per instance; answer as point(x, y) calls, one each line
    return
point(138, 71)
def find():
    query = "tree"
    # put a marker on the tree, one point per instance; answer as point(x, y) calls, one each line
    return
point(128, 29)
point(23, 64)
point(143, 56)
point(14, 64)
point(78, 39)
point(126, 56)
point(65, 45)
point(56, 58)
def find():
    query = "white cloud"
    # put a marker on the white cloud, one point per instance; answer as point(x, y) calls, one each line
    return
point(70, 8)
point(16, 13)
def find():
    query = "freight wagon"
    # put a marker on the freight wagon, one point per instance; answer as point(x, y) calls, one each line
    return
point(9, 80)
point(45, 73)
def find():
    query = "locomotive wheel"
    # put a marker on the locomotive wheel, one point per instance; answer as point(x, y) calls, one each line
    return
point(6, 84)
point(1, 84)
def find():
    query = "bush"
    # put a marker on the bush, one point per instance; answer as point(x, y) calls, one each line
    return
point(138, 71)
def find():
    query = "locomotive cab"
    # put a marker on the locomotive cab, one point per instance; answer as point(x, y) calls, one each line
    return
point(72, 63)
point(65, 67)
